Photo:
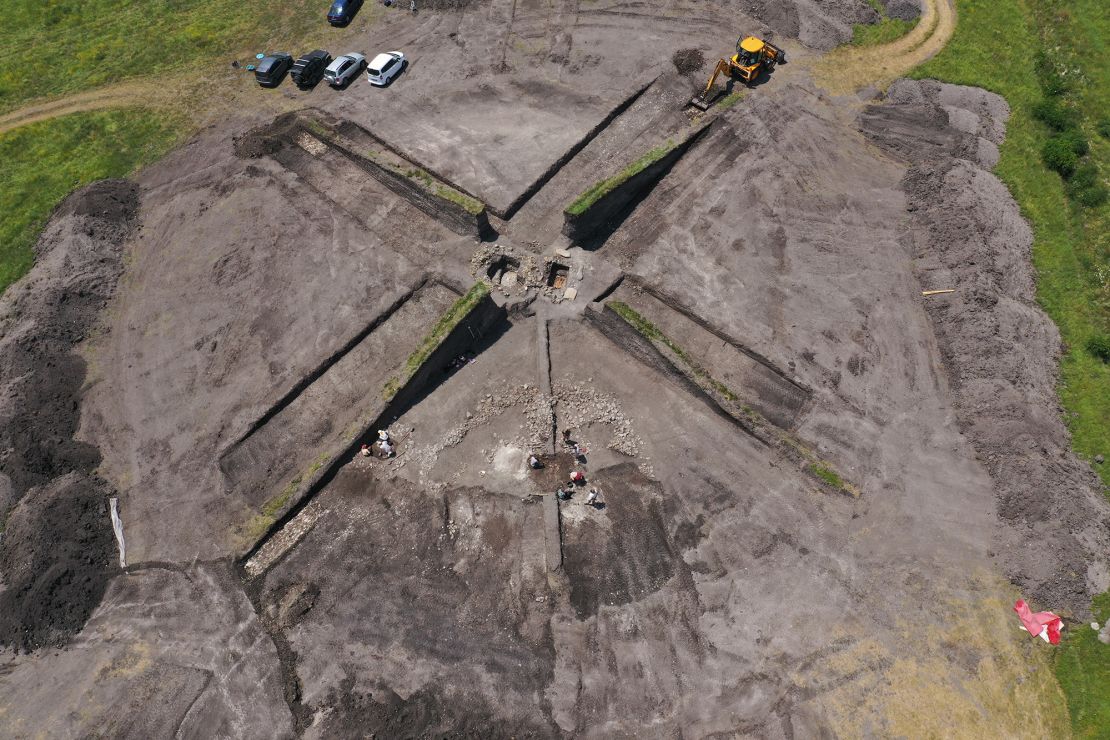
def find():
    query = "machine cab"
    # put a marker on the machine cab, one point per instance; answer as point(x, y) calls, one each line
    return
point(749, 52)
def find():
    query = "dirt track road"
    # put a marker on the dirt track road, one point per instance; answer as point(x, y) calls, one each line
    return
point(843, 70)
point(134, 93)
point(850, 68)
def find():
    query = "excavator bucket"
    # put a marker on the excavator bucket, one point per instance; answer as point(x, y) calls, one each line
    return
point(709, 95)
point(705, 101)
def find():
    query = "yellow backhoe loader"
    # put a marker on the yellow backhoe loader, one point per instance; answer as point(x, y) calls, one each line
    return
point(751, 58)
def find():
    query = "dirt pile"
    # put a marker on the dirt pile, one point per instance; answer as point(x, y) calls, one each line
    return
point(687, 61)
point(265, 140)
point(56, 557)
point(1000, 349)
point(904, 10)
point(42, 318)
point(422, 715)
point(821, 24)
point(56, 554)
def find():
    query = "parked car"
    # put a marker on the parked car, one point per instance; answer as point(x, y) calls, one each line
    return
point(385, 67)
point(308, 70)
point(343, 11)
point(271, 70)
point(344, 69)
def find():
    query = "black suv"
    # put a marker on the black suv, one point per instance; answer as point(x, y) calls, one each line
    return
point(271, 70)
point(310, 68)
point(342, 11)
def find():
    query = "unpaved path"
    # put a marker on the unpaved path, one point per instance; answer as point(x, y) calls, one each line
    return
point(123, 95)
point(850, 68)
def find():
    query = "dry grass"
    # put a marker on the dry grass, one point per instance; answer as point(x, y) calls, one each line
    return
point(962, 670)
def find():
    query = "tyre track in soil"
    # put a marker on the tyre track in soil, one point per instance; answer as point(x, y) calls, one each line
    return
point(847, 69)
point(131, 94)
point(843, 70)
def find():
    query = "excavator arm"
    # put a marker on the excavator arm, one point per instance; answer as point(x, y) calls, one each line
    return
point(702, 100)
point(722, 68)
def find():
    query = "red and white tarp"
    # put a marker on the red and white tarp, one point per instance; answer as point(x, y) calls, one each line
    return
point(1044, 625)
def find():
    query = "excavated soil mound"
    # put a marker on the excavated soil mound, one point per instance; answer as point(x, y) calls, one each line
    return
point(42, 319)
point(56, 557)
point(687, 61)
point(905, 10)
point(421, 715)
point(999, 347)
point(265, 140)
point(820, 24)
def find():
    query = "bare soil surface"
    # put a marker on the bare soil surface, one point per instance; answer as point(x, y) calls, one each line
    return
point(717, 589)
point(170, 651)
point(220, 226)
point(56, 551)
point(999, 346)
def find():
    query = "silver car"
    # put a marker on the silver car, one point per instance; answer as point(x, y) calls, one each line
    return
point(344, 69)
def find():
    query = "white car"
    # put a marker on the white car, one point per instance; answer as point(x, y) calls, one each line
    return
point(385, 67)
point(344, 69)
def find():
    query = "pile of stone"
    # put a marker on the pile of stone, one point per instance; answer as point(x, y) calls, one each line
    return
point(577, 407)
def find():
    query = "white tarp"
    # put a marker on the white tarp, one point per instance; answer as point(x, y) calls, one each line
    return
point(117, 527)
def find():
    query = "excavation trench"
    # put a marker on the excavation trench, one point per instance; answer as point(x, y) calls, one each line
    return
point(302, 429)
point(480, 328)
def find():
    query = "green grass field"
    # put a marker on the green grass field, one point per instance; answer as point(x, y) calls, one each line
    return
point(883, 32)
point(995, 46)
point(51, 47)
point(41, 163)
point(1083, 669)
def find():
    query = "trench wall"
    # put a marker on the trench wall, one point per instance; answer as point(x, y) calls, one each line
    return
point(617, 201)
point(754, 378)
point(325, 404)
point(450, 214)
point(620, 333)
point(483, 318)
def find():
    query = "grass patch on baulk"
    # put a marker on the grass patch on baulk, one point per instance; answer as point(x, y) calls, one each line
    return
point(600, 189)
point(820, 469)
point(40, 164)
point(996, 46)
point(444, 326)
point(52, 47)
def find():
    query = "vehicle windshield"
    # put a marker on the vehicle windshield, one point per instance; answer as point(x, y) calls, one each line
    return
point(747, 58)
point(336, 8)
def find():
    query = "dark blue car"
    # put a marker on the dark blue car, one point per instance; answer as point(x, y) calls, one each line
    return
point(342, 11)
